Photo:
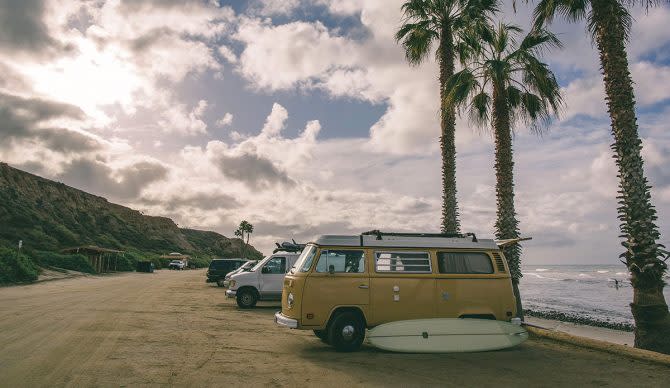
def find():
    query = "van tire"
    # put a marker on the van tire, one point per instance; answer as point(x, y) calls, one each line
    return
point(246, 298)
point(346, 332)
point(322, 335)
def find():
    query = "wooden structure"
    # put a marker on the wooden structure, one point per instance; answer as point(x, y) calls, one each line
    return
point(102, 259)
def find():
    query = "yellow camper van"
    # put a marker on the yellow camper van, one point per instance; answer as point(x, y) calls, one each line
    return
point(342, 284)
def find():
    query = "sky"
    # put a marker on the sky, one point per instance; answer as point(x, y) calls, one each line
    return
point(304, 118)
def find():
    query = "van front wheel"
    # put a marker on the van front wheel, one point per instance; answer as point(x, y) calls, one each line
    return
point(346, 332)
point(246, 299)
point(322, 335)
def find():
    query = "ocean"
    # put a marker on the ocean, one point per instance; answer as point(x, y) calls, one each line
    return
point(580, 290)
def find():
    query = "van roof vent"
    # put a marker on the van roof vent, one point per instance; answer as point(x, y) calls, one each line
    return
point(499, 262)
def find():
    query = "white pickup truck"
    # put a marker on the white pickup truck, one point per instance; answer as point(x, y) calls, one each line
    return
point(263, 282)
point(178, 264)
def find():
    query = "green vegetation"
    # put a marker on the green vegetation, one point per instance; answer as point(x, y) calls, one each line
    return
point(72, 262)
point(50, 216)
point(16, 268)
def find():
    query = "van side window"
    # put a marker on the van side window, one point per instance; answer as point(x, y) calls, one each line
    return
point(276, 265)
point(464, 262)
point(407, 262)
point(342, 261)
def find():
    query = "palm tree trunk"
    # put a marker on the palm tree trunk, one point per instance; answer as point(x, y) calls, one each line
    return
point(506, 225)
point(450, 222)
point(636, 213)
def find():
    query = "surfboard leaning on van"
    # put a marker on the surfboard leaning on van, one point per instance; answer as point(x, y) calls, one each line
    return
point(342, 284)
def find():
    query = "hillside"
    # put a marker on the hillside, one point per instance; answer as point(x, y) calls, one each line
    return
point(50, 216)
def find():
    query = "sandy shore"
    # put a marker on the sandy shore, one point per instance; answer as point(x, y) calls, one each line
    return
point(172, 329)
point(598, 333)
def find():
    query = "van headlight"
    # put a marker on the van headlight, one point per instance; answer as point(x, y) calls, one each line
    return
point(289, 300)
point(231, 284)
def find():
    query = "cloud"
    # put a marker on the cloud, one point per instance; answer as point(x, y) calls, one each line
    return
point(22, 27)
point(226, 120)
point(275, 121)
point(254, 170)
point(175, 201)
point(178, 120)
point(97, 177)
point(34, 119)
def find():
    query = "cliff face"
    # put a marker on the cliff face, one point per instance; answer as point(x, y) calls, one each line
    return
point(48, 215)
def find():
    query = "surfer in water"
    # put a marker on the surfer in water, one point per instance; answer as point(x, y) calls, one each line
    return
point(616, 284)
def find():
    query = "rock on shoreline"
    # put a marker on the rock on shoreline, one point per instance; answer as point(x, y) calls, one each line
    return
point(581, 320)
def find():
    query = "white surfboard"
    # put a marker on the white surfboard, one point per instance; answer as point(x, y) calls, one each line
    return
point(446, 335)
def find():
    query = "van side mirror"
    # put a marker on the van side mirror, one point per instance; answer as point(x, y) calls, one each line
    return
point(331, 269)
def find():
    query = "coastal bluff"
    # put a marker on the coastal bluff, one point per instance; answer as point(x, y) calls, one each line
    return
point(51, 216)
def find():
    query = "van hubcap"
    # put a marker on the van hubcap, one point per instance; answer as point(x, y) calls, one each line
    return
point(246, 299)
point(348, 332)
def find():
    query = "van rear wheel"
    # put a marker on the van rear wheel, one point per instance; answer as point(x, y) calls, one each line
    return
point(346, 332)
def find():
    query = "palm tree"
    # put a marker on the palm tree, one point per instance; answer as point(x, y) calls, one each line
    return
point(445, 22)
point(504, 83)
point(609, 24)
point(245, 228)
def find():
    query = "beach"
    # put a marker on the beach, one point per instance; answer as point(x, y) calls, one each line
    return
point(171, 328)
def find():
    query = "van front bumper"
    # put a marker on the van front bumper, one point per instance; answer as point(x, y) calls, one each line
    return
point(231, 293)
point(282, 320)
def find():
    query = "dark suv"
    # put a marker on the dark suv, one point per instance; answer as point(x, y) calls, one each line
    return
point(218, 268)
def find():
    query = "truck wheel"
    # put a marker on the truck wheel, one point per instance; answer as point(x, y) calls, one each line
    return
point(219, 282)
point(346, 332)
point(246, 299)
point(322, 334)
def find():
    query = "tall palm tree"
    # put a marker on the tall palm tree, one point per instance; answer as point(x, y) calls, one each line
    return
point(609, 23)
point(442, 21)
point(245, 228)
point(503, 83)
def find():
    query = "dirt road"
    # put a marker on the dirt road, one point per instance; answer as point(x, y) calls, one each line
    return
point(172, 329)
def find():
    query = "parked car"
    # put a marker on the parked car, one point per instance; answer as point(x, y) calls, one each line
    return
point(218, 269)
point(342, 284)
point(177, 264)
point(263, 281)
point(145, 266)
point(246, 267)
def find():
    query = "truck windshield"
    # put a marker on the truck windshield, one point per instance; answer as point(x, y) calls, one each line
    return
point(304, 262)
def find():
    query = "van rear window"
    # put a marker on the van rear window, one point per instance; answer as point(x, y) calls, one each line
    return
point(464, 262)
point(402, 262)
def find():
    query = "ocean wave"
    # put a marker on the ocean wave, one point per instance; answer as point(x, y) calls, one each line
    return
point(602, 271)
point(583, 275)
point(623, 273)
point(541, 270)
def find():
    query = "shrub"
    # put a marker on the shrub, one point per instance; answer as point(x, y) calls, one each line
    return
point(72, 262)
point(16, 269)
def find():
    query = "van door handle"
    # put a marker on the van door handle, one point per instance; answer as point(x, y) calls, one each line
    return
point(363, 286)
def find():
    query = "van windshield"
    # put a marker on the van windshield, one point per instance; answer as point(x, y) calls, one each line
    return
point(304, 262)
point(260, 264)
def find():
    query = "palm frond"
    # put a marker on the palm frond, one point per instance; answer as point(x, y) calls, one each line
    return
point(480, 108)
point(417, 40)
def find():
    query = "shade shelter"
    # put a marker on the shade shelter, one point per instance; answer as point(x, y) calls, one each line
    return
point(102, 259)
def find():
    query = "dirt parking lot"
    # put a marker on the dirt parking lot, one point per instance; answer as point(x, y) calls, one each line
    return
point(170, 328)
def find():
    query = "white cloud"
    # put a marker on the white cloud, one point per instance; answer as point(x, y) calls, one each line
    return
point(178, 119)
point(226, 120)
point(275, 121)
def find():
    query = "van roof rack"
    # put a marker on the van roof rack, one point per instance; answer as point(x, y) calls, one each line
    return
point(289, 246)
point(379, 235)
